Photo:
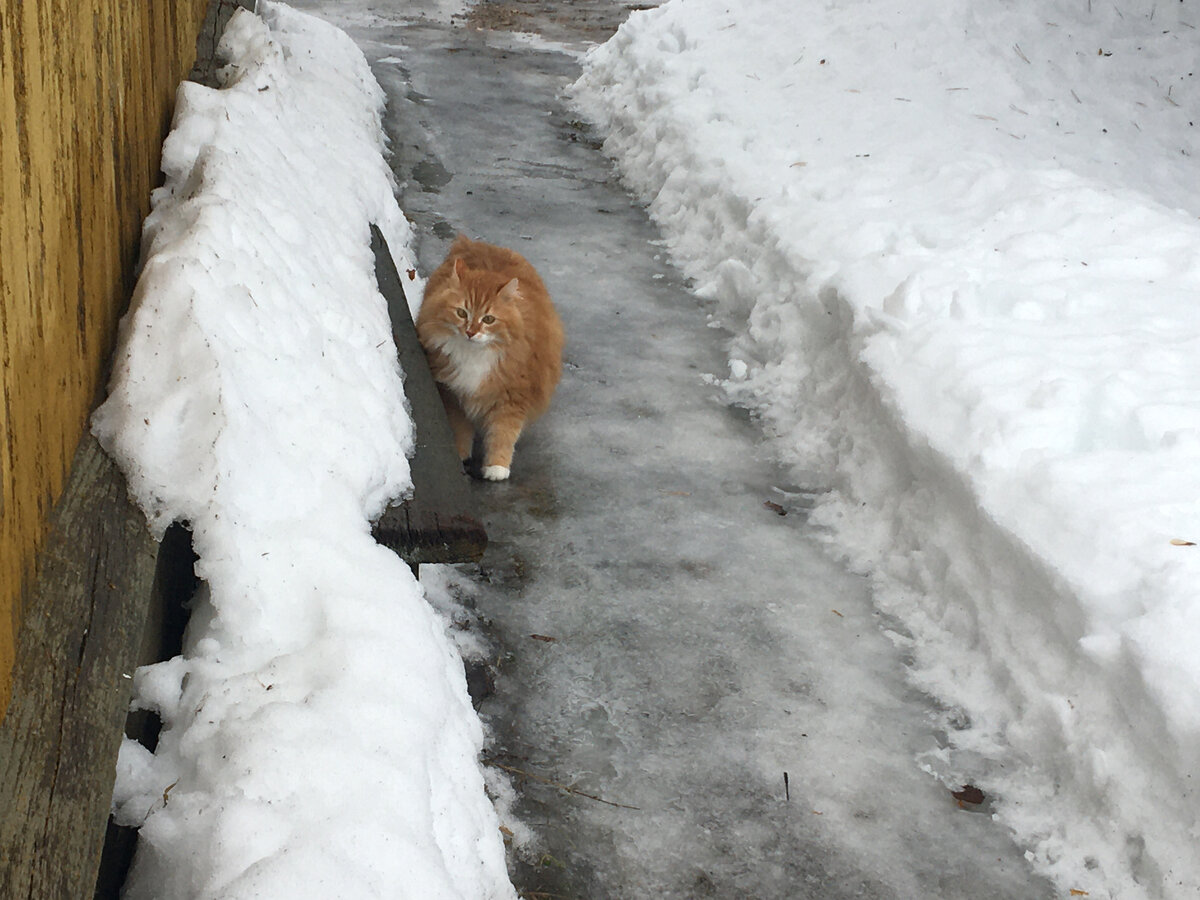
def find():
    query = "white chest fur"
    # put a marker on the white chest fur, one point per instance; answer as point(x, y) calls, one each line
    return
point(470, 364)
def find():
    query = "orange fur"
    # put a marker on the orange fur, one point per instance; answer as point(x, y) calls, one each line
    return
point(494, 344)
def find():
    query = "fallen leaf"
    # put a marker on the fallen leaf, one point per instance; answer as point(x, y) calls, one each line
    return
point(838, 614)
point(775, 508)
point(412, 274)
point(545, 638)
point(506, 831)
point(1078, 893)
point(1179, 542)
point(968, 794)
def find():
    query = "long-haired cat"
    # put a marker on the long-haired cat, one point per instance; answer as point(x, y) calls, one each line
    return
point(494, 343)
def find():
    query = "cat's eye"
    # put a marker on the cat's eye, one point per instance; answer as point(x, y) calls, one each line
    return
point(462, 313)
point(488, 319)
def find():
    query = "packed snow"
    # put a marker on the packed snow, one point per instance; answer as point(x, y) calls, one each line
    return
point(956, 245)
point(317, 736)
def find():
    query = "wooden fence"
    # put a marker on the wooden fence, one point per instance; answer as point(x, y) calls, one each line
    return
point(86, 92)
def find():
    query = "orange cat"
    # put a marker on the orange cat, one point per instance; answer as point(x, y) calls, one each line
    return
point(494, 344)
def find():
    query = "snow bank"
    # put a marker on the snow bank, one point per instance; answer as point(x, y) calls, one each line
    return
point(317, 736)
point(957, 245)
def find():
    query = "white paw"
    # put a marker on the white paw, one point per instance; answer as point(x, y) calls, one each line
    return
point(495, 473)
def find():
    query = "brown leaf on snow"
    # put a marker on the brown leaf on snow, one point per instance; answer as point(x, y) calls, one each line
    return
point(775, 508)
point(1075, 892)
point(544, 638)
point(411, 273)
point(968, 794)
point(1179, 542)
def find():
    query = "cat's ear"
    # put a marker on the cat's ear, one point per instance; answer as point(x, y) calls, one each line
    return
point(459, 268)
point(510, 291)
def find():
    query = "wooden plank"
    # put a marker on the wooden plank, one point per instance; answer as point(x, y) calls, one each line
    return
point(78, 645)
point(175, 584)
point(435, 525)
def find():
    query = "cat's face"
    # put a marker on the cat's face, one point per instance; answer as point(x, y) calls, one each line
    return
point(479, 305)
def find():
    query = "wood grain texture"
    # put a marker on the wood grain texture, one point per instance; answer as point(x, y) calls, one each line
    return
point(80, 643)
point(435, 525)
point(86, 92)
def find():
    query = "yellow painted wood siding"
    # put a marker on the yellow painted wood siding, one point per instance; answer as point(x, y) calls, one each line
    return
point(86, 93)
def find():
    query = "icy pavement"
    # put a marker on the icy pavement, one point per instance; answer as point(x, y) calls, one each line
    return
point(666, 640)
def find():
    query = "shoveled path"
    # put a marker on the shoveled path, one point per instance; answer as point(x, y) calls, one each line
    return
point(665, 641)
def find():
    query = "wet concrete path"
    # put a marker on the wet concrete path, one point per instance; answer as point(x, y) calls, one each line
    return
point(665, 641)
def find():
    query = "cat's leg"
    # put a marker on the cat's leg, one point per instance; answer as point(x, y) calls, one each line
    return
point(464, 434)
point(500, 437)
point(464, 431)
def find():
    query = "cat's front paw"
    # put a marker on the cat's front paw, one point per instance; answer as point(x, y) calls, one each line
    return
point(495, 473)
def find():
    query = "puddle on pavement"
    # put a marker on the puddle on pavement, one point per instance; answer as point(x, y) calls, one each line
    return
point(431, 175)
point(444, 230)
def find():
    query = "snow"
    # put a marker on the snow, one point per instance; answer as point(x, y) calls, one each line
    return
point(956, 246)
point(317, 736)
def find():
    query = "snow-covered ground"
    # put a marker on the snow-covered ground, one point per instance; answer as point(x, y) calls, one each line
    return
point(956, 243)
point(317, 738)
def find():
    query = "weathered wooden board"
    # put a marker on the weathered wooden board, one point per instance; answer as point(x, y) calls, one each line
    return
point(435, 525)
point(81, 639)
point(175, 584)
